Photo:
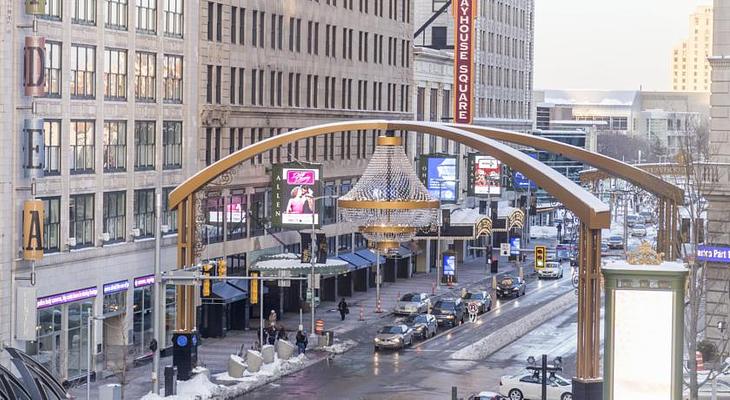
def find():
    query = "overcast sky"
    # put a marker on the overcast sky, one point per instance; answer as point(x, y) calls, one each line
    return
point(615, 44)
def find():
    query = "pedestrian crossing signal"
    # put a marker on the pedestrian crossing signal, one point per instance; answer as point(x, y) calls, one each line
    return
point(539, 257)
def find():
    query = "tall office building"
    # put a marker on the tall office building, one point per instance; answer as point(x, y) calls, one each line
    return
point(690, 68)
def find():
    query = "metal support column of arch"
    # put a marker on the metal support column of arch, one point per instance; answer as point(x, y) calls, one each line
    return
point(185, 294)
point(587, 384)
point(661, 227)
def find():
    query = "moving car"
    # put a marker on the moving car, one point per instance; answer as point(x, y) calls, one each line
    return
point(486, 396)
point(529, 386)
point(482, 298)
point(648, 216)
point(552, 270)
point(509, 286)
point(638, 230)
point(422, 325)
point(449, 311)
point(413, 303)
point(616, 242)
point(393, 337)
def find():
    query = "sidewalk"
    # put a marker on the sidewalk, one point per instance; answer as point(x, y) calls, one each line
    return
point(214, 353)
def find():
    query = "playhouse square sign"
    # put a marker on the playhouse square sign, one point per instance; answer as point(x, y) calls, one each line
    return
point(712, 253)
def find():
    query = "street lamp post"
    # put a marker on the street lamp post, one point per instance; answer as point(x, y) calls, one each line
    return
point(312, 258)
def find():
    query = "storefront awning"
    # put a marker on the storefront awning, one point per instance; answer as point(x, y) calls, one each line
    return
point(273, 265)
point(370, 256)
point(242, 285)
point(355, 261)
point(228, 293)
point(400, 252)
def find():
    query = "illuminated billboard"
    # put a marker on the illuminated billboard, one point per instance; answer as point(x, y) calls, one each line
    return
point(520, 181)
point(440, 174)
point(295, 189)
point(449, 267)
point(484, 175)
point(464, 17)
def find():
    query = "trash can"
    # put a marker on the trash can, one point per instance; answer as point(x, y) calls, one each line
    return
point(170, 380)
point(329, 338)
point(110, 392)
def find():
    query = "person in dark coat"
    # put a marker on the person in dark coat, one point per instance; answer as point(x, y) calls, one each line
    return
point(301, 340)
point(271, 335)
point(281, 334)
point(342, 307)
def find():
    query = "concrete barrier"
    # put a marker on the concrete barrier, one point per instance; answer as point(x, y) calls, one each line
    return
point(253, 361)
point(284, 349)
point(267, 352)
point(236, 366)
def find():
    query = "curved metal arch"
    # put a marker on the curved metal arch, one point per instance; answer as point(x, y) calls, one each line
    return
point(610, 166)
point(588, 208)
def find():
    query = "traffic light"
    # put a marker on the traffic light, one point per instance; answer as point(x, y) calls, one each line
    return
point(207, 271)
point(222, 267)
point(540, 257)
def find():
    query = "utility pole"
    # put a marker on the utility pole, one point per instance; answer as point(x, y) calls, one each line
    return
point(157, 294)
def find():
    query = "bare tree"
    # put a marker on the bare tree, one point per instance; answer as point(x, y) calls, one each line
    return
point(623, 147)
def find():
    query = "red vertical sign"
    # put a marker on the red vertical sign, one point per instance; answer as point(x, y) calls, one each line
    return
point(464, 15)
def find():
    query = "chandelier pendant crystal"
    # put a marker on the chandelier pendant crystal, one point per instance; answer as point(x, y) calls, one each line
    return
point(389, 203)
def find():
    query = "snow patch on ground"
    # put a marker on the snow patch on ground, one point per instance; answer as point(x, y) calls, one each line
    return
point(339, 348)
point(197, 387)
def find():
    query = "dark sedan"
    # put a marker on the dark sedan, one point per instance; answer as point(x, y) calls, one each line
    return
point(510, 286)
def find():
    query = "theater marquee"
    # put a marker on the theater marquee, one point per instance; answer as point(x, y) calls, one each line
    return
point(464, 16)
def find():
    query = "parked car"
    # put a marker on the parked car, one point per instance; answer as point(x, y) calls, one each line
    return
point(413, 303)
point(604, 250)
point(638, 230)
point(482, 298)
point(615, 242)
point(648, 217)
point(423, 325)
point(552, 270)
point(393, 337)
point(486, 396)
point(449, 311)
point(509, 286)
point(529, 386)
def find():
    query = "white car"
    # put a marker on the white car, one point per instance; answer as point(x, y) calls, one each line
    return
point(638, 230)
point(529, 386)
point(413, 303)
point(552, 269)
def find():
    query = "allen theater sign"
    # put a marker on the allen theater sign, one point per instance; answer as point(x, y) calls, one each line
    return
point(464, 16)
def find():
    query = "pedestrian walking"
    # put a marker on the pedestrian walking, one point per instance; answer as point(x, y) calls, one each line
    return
point(271, 335)
point(301, 340)
point(342, 307)
point(272, 318)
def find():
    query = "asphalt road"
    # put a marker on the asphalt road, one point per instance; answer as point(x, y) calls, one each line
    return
point(425, 370)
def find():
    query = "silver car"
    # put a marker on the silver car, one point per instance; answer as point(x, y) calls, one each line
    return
point(413, 303)
point(551, 270)
point(423, 325)
point(482, 299)
point(393, 337)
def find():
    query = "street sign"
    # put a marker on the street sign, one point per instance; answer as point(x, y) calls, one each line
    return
point(504, 249)
point(473, 308)
point(316, 281)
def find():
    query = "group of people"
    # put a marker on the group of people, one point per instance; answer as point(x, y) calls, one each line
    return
point(276, 332)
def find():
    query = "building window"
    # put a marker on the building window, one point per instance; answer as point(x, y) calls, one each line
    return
point(115, 146)
point(52, 224)
point(84, 12)
point(83, 68)
point(144, 145)
point(172, 78)
point(236, 215)
point(53, 69)
point(169, 218)
point(52, 142)
point(81, 219)
point(213, 145)
point(114, 222)
point(82, 147)
point(144, 212)
point(53, 10)
point(115, 14)
point(171, 144)
point(147, 16)
point(115, 74)
point(144, 73)
point(174, 18)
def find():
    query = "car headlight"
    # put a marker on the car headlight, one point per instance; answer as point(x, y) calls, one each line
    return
point(419, 329)
point(377, 340)
point(450, 316)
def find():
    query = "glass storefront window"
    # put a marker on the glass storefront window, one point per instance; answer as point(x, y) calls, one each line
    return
point(78, 345)
point(47, 349)
point(142, 334)
point(115, 303)
point(170, 314)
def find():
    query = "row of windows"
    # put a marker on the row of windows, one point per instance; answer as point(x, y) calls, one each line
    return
point(82, 69)
point(302, 90)
point(81, 218)
point(511, 15)
point(331, 33)
point(505, 45)
point(349, 145)
point(503, 77)
point(116, 14)
point(82, 141)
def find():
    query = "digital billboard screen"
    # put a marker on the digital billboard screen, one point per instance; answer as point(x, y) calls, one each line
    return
point(485, 175)
point(449, 267)
point(520, 181)
point(295, 189)
point(514, 244)
point(441, 178)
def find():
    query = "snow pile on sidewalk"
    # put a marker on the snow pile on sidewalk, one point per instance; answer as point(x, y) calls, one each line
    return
point(196, 388)
point(268, 373)
point(543, 232)
point(339, 348)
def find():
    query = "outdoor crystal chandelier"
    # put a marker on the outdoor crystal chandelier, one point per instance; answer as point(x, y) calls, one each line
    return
point(389, 203)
